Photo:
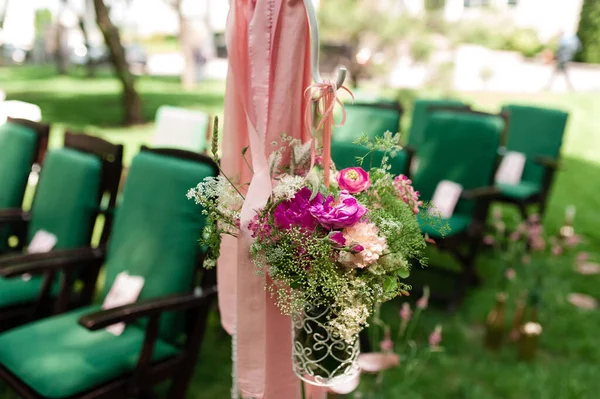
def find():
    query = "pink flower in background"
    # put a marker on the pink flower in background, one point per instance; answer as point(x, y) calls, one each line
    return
point(500, 226)
point(557, 250)
point(583, 257)
point(510, 274)
point(423, 302)
point(489, 240)
point(497, 215)
point(407, 193)
point(535, 218)
point(405, 312)
point(364, 237)
point(525, 259)
point(515, 236)
point(573, 241)
point(338, 215)
point(429, 239)
point(353, 180)
point(387, 345)
point(436, 337)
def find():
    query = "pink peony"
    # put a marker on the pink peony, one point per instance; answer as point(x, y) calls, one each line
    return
point(353, 180)
point(337, 215)
point(338, 239)
point(362, 235)
point(405, 312)
point(436, 337)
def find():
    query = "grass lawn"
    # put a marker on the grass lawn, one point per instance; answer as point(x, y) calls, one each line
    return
point(568, 363)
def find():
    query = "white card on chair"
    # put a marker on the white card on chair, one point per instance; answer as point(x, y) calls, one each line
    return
point(125, 290)
point(511, 168)
point(41, 242)
point(445, 198)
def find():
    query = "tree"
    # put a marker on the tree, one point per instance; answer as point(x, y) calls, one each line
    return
point(186, 41)
point(3, 14)
point(90, 62)
point(132, 102)
point(589, 32)
point(59, 52)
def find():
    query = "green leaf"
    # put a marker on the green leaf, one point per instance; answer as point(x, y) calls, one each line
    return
point(390, 284)
point(403, 273)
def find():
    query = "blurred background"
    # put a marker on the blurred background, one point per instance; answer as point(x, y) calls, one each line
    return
point(107, 67)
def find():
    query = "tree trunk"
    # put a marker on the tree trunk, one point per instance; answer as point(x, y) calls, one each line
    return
point(131, 100)
point(90, 63)
point(59, 54)
point(3, 15)
point(186, 42)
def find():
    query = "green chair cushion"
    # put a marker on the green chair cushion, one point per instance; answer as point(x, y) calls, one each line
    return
point(344, 156)
point(156, 228)
point(58, 358)
point(67, 197)
point(367, 118)
point(460, 147)
point(519, 191)
point(420, 115)
point(535, 132)
point(457, 224)
point(18, 146)
point(15, 291)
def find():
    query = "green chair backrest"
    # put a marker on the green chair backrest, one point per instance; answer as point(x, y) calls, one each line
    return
point(67, 197)
point(371, 118)
point(460, 147)
point(344, 156)
point(535, 132)
point(156, 228)
point(420, 116)
point(18, 147)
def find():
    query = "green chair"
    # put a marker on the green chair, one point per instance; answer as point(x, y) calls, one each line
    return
point(538, 134)
point(344, 155)
point(73, 183)
point(420, 116)
point(155, 236)
point(22, 143)
point(372, 118)
point(462, 148)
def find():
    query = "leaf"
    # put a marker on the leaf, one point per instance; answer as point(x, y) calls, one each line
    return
point(403, 273)
point(390, 284)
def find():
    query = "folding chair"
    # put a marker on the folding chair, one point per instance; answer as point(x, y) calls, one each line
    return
point(372, 118)
point(537, 133)
point(345, 155)
point(66, 203)
point(462, 148)
point(155, 236)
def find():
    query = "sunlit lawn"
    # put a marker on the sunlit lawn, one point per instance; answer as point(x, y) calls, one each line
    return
point(568, 364)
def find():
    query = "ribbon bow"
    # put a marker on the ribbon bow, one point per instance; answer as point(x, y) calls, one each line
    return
point(324, 94)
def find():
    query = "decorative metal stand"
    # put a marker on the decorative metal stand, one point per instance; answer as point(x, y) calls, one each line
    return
point(320, 357)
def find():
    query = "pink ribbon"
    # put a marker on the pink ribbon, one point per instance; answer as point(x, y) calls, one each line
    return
point(325, 96)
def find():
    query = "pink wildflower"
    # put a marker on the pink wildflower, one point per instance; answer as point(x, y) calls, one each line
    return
point(407, 193)
point(525, 259)
point(497, 215)
point(510, 274)
point(583, 257)
point(405, 312)
point(436, 337)
point(489, 240)
point(387, 345)
point(423, 302)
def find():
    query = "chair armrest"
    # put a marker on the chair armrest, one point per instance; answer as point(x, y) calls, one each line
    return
point(13, 215)
point(152, 307)
point(480, 193)
point(17, 265)
point(547, 162)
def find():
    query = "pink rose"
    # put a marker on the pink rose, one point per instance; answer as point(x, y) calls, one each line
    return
point(353, 180)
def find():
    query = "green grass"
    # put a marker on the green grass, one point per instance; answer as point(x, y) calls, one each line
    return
point(568, 363)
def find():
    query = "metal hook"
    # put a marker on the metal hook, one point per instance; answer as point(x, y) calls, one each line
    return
point(314, 49)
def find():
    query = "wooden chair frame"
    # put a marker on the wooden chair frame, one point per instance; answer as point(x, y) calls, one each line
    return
point(111, 156)
point(140, 382)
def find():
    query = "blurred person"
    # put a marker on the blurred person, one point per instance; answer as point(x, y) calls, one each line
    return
point(568, 46)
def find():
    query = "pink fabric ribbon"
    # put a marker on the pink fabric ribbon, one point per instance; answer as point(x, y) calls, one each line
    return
point(325, 96)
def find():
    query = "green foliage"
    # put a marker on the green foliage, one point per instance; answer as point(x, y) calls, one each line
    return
point(589, 32)
point(421, 49)
point(522, 40)
point(525, 41)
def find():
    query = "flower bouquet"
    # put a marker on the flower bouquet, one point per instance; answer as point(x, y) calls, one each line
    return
point(331, 254)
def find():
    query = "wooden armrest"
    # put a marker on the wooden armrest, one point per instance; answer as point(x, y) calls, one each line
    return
point(13, 215)
point(480, 193)
point(151, 307)
point(17, 265)
point(547, 162)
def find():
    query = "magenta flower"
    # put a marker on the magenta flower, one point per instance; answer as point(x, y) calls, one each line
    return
point(358, 248)
point(345, 213)
point(405, 312)
point(338, 238)
point(295, 212)
point(436, 337)
point(353, 180)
